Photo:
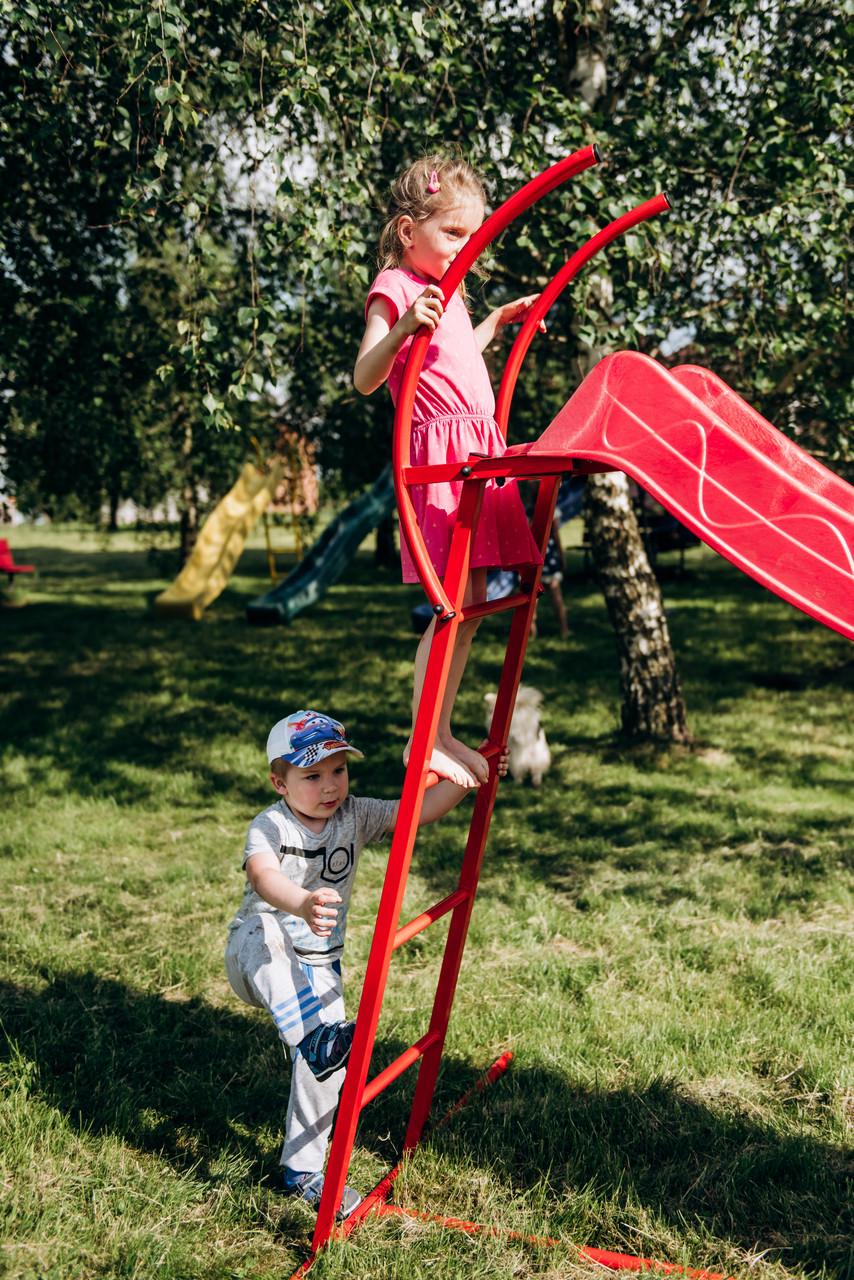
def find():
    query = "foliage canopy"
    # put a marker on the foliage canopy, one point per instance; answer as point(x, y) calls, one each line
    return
point(190, 199)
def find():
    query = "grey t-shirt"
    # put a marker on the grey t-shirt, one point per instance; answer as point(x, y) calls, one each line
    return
point(314, 860)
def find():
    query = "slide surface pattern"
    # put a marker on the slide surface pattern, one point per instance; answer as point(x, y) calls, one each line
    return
point(719, 467)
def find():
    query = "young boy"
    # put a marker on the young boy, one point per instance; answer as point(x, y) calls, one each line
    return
point(286, 941)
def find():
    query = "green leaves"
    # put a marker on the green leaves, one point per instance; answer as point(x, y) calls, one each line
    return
point(214, 180)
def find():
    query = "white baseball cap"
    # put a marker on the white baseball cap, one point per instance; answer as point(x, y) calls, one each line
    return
point(305, 737)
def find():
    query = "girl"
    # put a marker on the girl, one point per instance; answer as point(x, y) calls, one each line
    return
point(436, 205)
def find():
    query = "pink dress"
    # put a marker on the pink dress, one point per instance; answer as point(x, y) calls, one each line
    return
point(453, 417)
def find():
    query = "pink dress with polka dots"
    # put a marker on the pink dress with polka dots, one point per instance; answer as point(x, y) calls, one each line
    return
point(453, 417)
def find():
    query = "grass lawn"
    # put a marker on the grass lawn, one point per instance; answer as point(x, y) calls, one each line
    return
point(662, 937)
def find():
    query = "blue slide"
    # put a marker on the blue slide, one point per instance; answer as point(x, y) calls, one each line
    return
point(327, 559)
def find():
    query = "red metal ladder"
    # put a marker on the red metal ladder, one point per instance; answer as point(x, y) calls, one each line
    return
point(388, 937)
point(447, 599)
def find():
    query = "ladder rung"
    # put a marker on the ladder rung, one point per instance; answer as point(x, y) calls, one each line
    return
point(521, 466)
point(397, 1068)
point(415, 926)
point(514, 601)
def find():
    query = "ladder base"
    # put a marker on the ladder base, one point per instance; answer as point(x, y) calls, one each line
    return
point(602, 1257)
point(375, 1205)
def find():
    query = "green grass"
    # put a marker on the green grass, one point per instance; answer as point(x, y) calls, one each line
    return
point(662, 937)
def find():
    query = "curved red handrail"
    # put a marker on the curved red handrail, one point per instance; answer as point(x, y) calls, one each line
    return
point(567, 273)
point(493, 226)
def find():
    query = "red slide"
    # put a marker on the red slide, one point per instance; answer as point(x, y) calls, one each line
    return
point(720, 468)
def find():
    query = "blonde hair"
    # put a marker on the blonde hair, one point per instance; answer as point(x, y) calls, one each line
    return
point(410, 196)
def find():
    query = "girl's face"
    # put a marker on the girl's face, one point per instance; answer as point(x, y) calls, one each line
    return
point(429, 247)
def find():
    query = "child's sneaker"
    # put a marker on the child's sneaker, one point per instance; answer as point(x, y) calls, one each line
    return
point(327, 1047)
point(309, 1187)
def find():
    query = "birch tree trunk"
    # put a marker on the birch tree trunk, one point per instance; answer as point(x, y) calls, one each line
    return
point(652, 706)
point(652, 701)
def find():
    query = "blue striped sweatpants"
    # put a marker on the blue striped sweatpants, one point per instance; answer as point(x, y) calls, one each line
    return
point(265, 971)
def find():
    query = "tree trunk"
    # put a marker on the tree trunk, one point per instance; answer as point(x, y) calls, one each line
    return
point(113, 517)
point(189, 520)
point(385, 553)
point(653, 706)
point(188, 526)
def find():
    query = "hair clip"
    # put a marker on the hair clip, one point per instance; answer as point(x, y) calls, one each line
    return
point(434, 184)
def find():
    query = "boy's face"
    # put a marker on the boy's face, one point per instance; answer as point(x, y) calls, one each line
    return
point(313, 794)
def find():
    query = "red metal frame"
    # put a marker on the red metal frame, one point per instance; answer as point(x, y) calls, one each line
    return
point(375, 1204)
point(573, 442)
point(603, 1257)
point(568, 272)
point(493, 226)
point(7, 562)
point(447, 599)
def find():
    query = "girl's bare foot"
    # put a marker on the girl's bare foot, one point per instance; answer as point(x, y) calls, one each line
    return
point(447, 766)
point(473, 761)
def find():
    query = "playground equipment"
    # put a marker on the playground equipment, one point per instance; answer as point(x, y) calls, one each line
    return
point(8, 565)
point(328, 558)
point(297, 497)
point(219, 544)
point(709, 459)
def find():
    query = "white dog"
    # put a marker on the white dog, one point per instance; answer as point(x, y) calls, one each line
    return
point(529, 751)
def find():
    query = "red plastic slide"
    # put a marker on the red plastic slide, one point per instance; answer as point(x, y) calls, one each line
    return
point(720, 468)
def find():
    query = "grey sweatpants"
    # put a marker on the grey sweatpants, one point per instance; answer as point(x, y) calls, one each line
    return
point(264, 970)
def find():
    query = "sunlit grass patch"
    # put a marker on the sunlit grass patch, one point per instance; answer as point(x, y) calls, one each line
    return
point(662, 937)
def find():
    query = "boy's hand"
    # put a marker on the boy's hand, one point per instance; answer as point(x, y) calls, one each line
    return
point(318, 913)
point(427, 309)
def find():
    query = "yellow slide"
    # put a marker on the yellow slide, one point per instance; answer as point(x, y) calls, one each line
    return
point(220, 542)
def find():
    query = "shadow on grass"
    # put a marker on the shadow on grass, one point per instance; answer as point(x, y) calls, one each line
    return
point(737, 1178)
point(194, 1085)
point(107, 562)
point(664, 844)
point(94, 690)
point(75, 667)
